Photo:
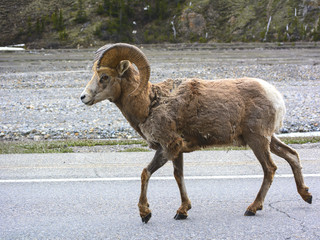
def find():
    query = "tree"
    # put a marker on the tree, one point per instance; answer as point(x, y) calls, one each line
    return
point(316, 32)
point(81, 16)
point(57, 20)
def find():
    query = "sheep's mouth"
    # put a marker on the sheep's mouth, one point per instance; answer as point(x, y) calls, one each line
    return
point(89, 103)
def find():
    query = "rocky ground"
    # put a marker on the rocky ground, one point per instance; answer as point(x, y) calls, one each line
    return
point(40, 89)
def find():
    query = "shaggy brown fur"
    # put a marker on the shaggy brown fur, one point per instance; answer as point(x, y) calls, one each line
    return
point(203, 113)
point(183, 115)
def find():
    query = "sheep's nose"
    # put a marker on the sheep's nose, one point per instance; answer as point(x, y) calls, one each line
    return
point(82, 97)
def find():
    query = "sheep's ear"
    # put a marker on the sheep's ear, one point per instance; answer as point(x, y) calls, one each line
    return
point(123, 67)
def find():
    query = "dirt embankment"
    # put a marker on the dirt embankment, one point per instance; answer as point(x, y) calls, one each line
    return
point(61, 24)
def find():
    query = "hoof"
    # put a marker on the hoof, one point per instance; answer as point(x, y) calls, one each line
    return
point(180, 216)
point(146, 218)
point(249, 213)
point(309, 200)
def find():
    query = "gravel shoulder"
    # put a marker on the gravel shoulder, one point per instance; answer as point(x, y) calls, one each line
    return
point(39, 90)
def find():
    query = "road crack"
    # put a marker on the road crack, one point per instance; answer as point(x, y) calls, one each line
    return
point(301, 222)
point(96, 173)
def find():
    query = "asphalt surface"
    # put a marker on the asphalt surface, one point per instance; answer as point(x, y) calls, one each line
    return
point(95, 196)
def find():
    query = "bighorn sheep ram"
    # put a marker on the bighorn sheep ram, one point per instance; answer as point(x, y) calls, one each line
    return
point(177, 116)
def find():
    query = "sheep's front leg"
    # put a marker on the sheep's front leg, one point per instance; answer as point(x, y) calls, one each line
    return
point(157, 162)
point(185, 202)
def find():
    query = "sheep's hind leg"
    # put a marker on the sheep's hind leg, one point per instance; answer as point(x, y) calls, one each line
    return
point(157, 162)
point(261, 149)
point(292, 157)
point(185, 202)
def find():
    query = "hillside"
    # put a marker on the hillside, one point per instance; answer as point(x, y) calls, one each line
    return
point(83, 23)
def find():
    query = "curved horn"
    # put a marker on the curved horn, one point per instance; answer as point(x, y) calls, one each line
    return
point(111, 55)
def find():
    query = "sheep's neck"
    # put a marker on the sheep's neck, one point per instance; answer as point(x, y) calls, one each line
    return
point(135, 108)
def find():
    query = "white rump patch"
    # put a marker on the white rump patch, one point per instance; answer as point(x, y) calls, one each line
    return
point(277, 100)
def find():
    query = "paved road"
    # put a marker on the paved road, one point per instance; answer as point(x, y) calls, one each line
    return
point(94, 196)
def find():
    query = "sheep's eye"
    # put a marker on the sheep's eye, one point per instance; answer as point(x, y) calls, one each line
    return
point(104, 78)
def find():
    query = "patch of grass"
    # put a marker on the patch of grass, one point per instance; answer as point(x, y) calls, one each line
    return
point(136, 149)
point(300, 140)
point(92, 143)
point(34, 147)
point(290, 140)
point(225, 148)
point(64, 146)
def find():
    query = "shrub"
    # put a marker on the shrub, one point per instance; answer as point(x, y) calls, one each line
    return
point(63, 35)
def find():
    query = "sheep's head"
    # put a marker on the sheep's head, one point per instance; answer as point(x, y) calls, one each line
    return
point(111, 62)
point(104, 84)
